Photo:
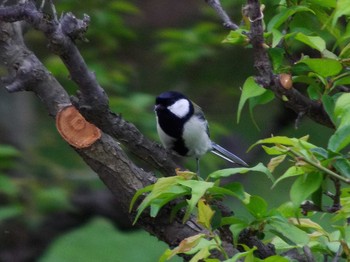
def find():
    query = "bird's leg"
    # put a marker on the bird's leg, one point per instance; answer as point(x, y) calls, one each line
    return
point(197, 170)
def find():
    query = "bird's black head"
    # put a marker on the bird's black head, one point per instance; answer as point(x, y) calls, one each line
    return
point(174, 103)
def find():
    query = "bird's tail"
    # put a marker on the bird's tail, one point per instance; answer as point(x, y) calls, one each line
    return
point(227, 155)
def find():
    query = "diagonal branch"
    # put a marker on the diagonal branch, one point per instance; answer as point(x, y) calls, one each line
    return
point(92, 102)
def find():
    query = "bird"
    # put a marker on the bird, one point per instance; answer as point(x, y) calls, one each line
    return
point(183, 129)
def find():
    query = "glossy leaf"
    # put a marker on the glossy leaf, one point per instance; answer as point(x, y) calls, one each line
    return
point(325, 67)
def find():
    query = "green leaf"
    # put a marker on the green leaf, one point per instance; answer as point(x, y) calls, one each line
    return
point(304, 186)
point(342, 109)
point(236, 225)
point(237, 37)
point(241, 170)
point(163, 191)
point(342, 165)
point(8, 151)
point(340, 139)
point(288, 232)
point(198, 189)
point(292, 171)
point(276, 37)
point(285, 14)
point(138, 194)
point(260, 100)
point(342, 8)
point(8, 186)
point(274, 150)
point(247, 255)
point(324, 3)
point(287, 141)
point(250, 89)
point(325, 67)
point(315, 42)
point(232, 189)
point(277, 56)
point(257, 206)
point(8, 212)
point(329, 105)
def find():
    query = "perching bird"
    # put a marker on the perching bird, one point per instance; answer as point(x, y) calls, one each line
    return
point(182, 127)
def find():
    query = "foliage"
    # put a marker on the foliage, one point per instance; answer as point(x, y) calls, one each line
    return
point(310, 41)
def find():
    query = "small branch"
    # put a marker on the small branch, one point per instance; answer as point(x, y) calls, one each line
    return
point(318, 166)
point(335, 197)
point(227, 23)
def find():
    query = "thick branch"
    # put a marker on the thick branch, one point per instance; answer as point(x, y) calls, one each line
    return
point(92, 102)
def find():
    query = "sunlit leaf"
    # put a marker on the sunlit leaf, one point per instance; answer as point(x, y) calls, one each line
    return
point(198, 189)
point(241, 170)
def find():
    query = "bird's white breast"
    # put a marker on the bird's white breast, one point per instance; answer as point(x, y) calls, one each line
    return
point(196, 137)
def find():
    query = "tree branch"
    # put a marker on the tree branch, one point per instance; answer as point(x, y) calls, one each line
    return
point(92, 101)
point(292, 98)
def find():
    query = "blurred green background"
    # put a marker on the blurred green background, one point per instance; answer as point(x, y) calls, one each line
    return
point(137, 50)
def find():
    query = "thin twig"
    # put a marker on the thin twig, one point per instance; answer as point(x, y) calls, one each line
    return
point(216, 5)
point(320, 167)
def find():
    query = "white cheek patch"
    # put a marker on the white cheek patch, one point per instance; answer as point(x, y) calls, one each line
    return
point(180, 108)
